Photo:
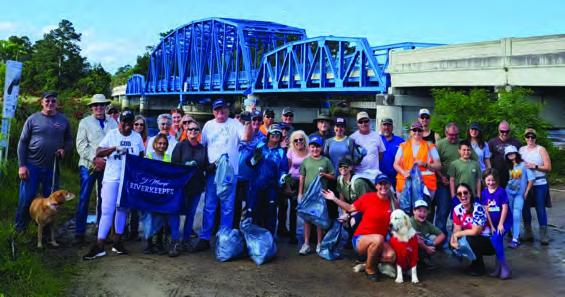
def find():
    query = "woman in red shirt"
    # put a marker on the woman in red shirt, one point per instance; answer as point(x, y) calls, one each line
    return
point(369, 238)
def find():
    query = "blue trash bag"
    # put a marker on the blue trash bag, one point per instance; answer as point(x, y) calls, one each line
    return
point(313, 206)
point(333, 242)
point(230, 244)
point(413, 190)
point(260, 242)
point(224, 178)
point(464, 250)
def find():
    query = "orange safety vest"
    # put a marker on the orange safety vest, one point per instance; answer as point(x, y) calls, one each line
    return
point(408, 160)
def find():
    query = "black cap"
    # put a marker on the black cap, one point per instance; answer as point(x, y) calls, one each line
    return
point(49, 94)
point(269, 112)
point(345, 161)
point(127, 116)
point(386, 121)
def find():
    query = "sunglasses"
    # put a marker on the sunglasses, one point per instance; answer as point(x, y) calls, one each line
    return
point(98, 105)
point(256, 120)
point(50, 100)
point(184, 122)
point(164, 124)
point(139, 124)
point(426, 117)
point(530, 137)
point(298, 140)
point(193, 129)
point(269, 117)
point(362, 121)
point(504, 131)
point(417, 130)
point(462, 193)
point(288, 115)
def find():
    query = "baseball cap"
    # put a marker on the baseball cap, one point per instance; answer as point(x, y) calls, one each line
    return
point(475, 126)
point(49, 94)
point(386, 121)
point(256, 114)
point(317, 140)
point(127, 116)
point(269, 112)
point(339, 121)
point(362, 115)
point(287, 111)
point(424, 111)
point(417, 125)
point(380, 178)
point(345, 161)
point(218, 103)
point(530, 131)
point(420, 203)
point(275, 128)
point(509, 150)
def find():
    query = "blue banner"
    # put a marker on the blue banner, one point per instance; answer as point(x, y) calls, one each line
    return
point(152, 185)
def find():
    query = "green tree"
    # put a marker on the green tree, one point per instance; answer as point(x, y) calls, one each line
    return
point(121, 76)
point(56, 62)
point(96, 81)
point(15, 48)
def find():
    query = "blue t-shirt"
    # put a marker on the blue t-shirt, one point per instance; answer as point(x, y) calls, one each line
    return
point(493, 202)
point(386, 165)
point(482, 154)
point(519, 177)
point(337, 149)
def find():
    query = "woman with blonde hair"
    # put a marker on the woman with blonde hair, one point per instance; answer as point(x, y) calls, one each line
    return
point(297, 152)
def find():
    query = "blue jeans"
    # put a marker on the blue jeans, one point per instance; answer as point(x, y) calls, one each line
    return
point(262, 207)
point(443, 208)
point(189, 218)
point(29, 189)
point(539, 195)
point(516, 205)
point(86, 184)
point(211, 200)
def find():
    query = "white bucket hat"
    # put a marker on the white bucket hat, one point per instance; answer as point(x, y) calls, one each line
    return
point(99, 98)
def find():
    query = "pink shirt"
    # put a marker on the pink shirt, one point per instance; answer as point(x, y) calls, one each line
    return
point(295, 162)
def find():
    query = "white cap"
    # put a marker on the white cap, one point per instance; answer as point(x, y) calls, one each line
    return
point(509, 149)
point(424, 111)
point(420, 203)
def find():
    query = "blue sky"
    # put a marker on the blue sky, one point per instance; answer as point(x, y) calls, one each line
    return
point(115, 32)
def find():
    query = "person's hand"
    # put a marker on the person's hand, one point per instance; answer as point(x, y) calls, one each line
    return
point(60, 153)
point(299, 198)
point(323, 174)
point(257, 155)
point(530, 165)
point(500, 229)
point(343, 218)
point(445, 180)
point(406, 173)
point(328, 194)
point(120, 150)
point(190, 163)
point(23, 172)
point(453, 242)
point(420, 163)
point(430, 250)
point(99, 164)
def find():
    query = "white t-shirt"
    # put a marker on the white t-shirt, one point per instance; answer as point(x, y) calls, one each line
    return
point(133, 142)
point(372, 142)
point(170, 148)
point(222, 138)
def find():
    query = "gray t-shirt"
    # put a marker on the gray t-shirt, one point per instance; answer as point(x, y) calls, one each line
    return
point(41, 137)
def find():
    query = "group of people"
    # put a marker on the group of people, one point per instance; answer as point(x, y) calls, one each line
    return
point(487, 188)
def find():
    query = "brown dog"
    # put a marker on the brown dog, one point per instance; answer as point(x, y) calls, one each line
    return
point(44, 210)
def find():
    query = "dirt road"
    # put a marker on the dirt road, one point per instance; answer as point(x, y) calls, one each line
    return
point(537, 271)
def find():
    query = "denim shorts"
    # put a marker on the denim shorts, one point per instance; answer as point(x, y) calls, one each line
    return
point(354, 241)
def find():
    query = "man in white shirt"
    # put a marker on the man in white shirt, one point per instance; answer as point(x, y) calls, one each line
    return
point(220, 135)
point(372, 143)
point(91, 130)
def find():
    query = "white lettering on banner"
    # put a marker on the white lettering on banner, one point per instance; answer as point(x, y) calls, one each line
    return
point(151, 185)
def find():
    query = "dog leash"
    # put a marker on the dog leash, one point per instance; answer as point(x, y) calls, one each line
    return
point(55, 161)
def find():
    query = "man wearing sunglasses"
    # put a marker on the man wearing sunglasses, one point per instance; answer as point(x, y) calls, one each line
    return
point(45, 136)
point(324, 127)
point(424, 117)
point(497, 146)
point(91, 130)
point(371, 141)
point(268, 120)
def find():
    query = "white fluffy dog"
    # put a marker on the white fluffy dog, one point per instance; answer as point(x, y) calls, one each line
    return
point(405, 245)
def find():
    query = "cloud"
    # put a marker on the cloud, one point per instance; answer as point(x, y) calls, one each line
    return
point(8, 29)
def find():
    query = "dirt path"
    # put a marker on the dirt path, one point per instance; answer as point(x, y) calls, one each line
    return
point(537, 271)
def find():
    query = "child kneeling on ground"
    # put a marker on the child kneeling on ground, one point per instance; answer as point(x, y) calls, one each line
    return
point(430, 237)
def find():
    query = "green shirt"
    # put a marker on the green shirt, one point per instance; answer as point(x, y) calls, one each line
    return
point(352, 192)
point(468, 172)
point(426, 228)
point(449, 152)
point(311, 167)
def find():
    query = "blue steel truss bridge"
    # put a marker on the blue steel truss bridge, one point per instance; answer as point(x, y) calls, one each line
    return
point(223, 56)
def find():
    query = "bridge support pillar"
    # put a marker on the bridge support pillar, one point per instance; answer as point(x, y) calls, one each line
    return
point(125, 100)
point(387, 109)
point(143, 104)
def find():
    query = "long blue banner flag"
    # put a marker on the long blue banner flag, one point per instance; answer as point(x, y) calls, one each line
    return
point(151, 185)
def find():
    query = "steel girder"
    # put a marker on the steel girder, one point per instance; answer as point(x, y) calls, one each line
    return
point(136, 85)
point(321, 64)
point(216, 55)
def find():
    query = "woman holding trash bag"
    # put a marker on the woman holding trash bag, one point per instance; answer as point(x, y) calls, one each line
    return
point(470, 221)
point(369, 238)
point(417, 151)
point(296, 153)
point(191, 153)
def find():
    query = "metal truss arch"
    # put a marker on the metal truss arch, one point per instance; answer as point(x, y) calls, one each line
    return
point(136, 85)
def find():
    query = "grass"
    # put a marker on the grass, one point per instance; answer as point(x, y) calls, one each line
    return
point(33, 272)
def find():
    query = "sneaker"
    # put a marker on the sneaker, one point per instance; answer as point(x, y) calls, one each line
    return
point(318, 248)
point(201, 245)
point(186, 246)
point(174, 248)
point(514, 244)
point(305, 249)
point(119, 248)
point(95, 252)
point(374, 277)
point(160, 249)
